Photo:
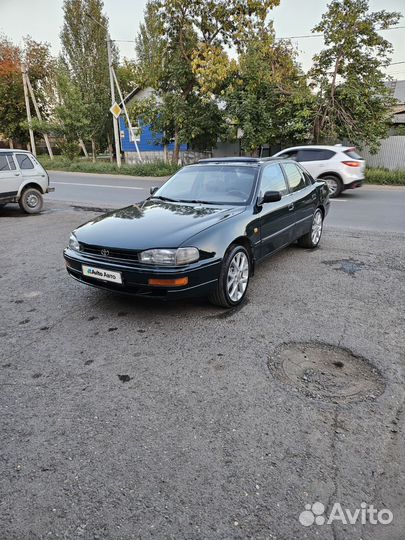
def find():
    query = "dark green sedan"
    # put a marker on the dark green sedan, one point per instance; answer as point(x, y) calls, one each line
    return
point(203, 231)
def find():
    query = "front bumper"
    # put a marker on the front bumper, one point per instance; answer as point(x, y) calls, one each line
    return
point(202, 276)
point(49, 189)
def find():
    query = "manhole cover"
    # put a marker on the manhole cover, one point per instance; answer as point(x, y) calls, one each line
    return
point(325, 372)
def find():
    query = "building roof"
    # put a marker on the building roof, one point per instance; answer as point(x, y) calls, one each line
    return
point(398, 88)
point(137, 94)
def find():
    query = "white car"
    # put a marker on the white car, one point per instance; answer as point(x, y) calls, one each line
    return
point(22, 180)
point(340, 166)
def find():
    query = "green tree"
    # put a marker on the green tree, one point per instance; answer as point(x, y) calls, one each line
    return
point(176, 44)
point(84, 39)
point(40, 67)
point(127, 75)
point(268, 97)
point(353, 101)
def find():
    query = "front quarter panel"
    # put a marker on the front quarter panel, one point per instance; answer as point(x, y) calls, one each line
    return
point(215, 240)
point(323, 195)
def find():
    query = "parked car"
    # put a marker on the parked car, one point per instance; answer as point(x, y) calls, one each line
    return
point(22, 180)
point(202, 232)
point(340, 166)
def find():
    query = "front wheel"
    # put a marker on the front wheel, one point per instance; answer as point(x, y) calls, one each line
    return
point(233, 279)
point(31, 201)
point(312, 238)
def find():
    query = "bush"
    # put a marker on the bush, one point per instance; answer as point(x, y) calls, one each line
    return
point(385, 176)
point(59, 163)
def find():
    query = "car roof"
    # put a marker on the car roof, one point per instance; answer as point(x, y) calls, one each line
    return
point(8, 150)
point(335, 148)
point(240, 160)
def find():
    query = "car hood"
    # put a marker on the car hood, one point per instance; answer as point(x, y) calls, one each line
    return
point(154, 224)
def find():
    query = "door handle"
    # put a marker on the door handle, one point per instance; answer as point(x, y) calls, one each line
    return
point(16, 174)
point(291, 206)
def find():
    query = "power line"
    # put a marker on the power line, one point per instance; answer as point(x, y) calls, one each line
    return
point(321, 35)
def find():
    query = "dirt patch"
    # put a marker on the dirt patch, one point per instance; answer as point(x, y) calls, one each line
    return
point(326, 372)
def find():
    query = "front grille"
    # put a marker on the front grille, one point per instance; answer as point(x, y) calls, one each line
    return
point(110, 253)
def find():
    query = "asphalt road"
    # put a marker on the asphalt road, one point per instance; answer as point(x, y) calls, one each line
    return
point(131, 419)
point(371, 208)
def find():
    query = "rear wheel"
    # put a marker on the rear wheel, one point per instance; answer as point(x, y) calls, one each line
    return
point(31, 201)
point(334, 184)
point(234, 278)
point(311, 240)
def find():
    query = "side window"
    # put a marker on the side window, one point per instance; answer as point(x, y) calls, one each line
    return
point(11, 162)
point(4, 166)
point(24, 161)
point(314, 154)
point(273, 180)
point(291, 154)
point(295, 177)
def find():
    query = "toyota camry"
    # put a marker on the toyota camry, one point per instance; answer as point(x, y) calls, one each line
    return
point(203, 232)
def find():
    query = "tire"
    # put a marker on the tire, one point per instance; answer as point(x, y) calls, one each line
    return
point(334, 184)
point(236, 263)
point(31, 201)
point(313, 237)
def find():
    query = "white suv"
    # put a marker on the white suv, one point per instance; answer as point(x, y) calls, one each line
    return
point(340, 166)
point(22, 180)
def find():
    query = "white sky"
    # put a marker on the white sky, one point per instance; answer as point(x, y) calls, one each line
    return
point(43, 19)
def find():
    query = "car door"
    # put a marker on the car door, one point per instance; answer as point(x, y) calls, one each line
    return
point(303, 197)
point(314, 160)
point(276, 219)
point(29, 168)
point(10, 176)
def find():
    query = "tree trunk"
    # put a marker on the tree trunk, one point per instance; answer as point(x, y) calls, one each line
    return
point(165, 153)
point(93, 150)
point(110, 148)
point(11, 143)
point(83, 147)
point(176, 149)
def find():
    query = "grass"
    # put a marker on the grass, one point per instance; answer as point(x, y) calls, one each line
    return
point(382, 176)
point(59, 163)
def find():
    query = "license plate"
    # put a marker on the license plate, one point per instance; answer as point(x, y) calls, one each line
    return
point(102, 274)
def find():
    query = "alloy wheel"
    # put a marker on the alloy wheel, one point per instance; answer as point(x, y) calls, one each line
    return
point(238, 275)
point(316, 230)
point(332, 185)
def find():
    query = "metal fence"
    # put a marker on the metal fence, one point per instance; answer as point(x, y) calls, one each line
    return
point(390, 156)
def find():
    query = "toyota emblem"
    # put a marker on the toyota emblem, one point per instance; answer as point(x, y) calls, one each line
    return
point(104, 252)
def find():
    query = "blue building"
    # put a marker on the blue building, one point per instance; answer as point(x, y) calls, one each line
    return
point(148, 142)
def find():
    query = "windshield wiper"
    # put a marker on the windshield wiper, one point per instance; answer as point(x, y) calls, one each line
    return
point(196, 201)
point(161, 198)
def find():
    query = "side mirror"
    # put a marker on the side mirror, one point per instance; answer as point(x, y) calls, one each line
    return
point(153, 189)
point(271, 196)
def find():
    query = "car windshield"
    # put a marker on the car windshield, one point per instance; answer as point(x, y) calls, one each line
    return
point(211, 184)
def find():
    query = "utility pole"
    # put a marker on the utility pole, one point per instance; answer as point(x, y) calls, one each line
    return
point(126, 114)
point(110, 71)
point(28, 109)
point(115, 120)
point(38, 113)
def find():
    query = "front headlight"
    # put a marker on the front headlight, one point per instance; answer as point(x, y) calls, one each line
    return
point(74, 243)
point(170, 257)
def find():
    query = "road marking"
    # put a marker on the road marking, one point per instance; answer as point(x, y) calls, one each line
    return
point(339, 200)
point(97, 185)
